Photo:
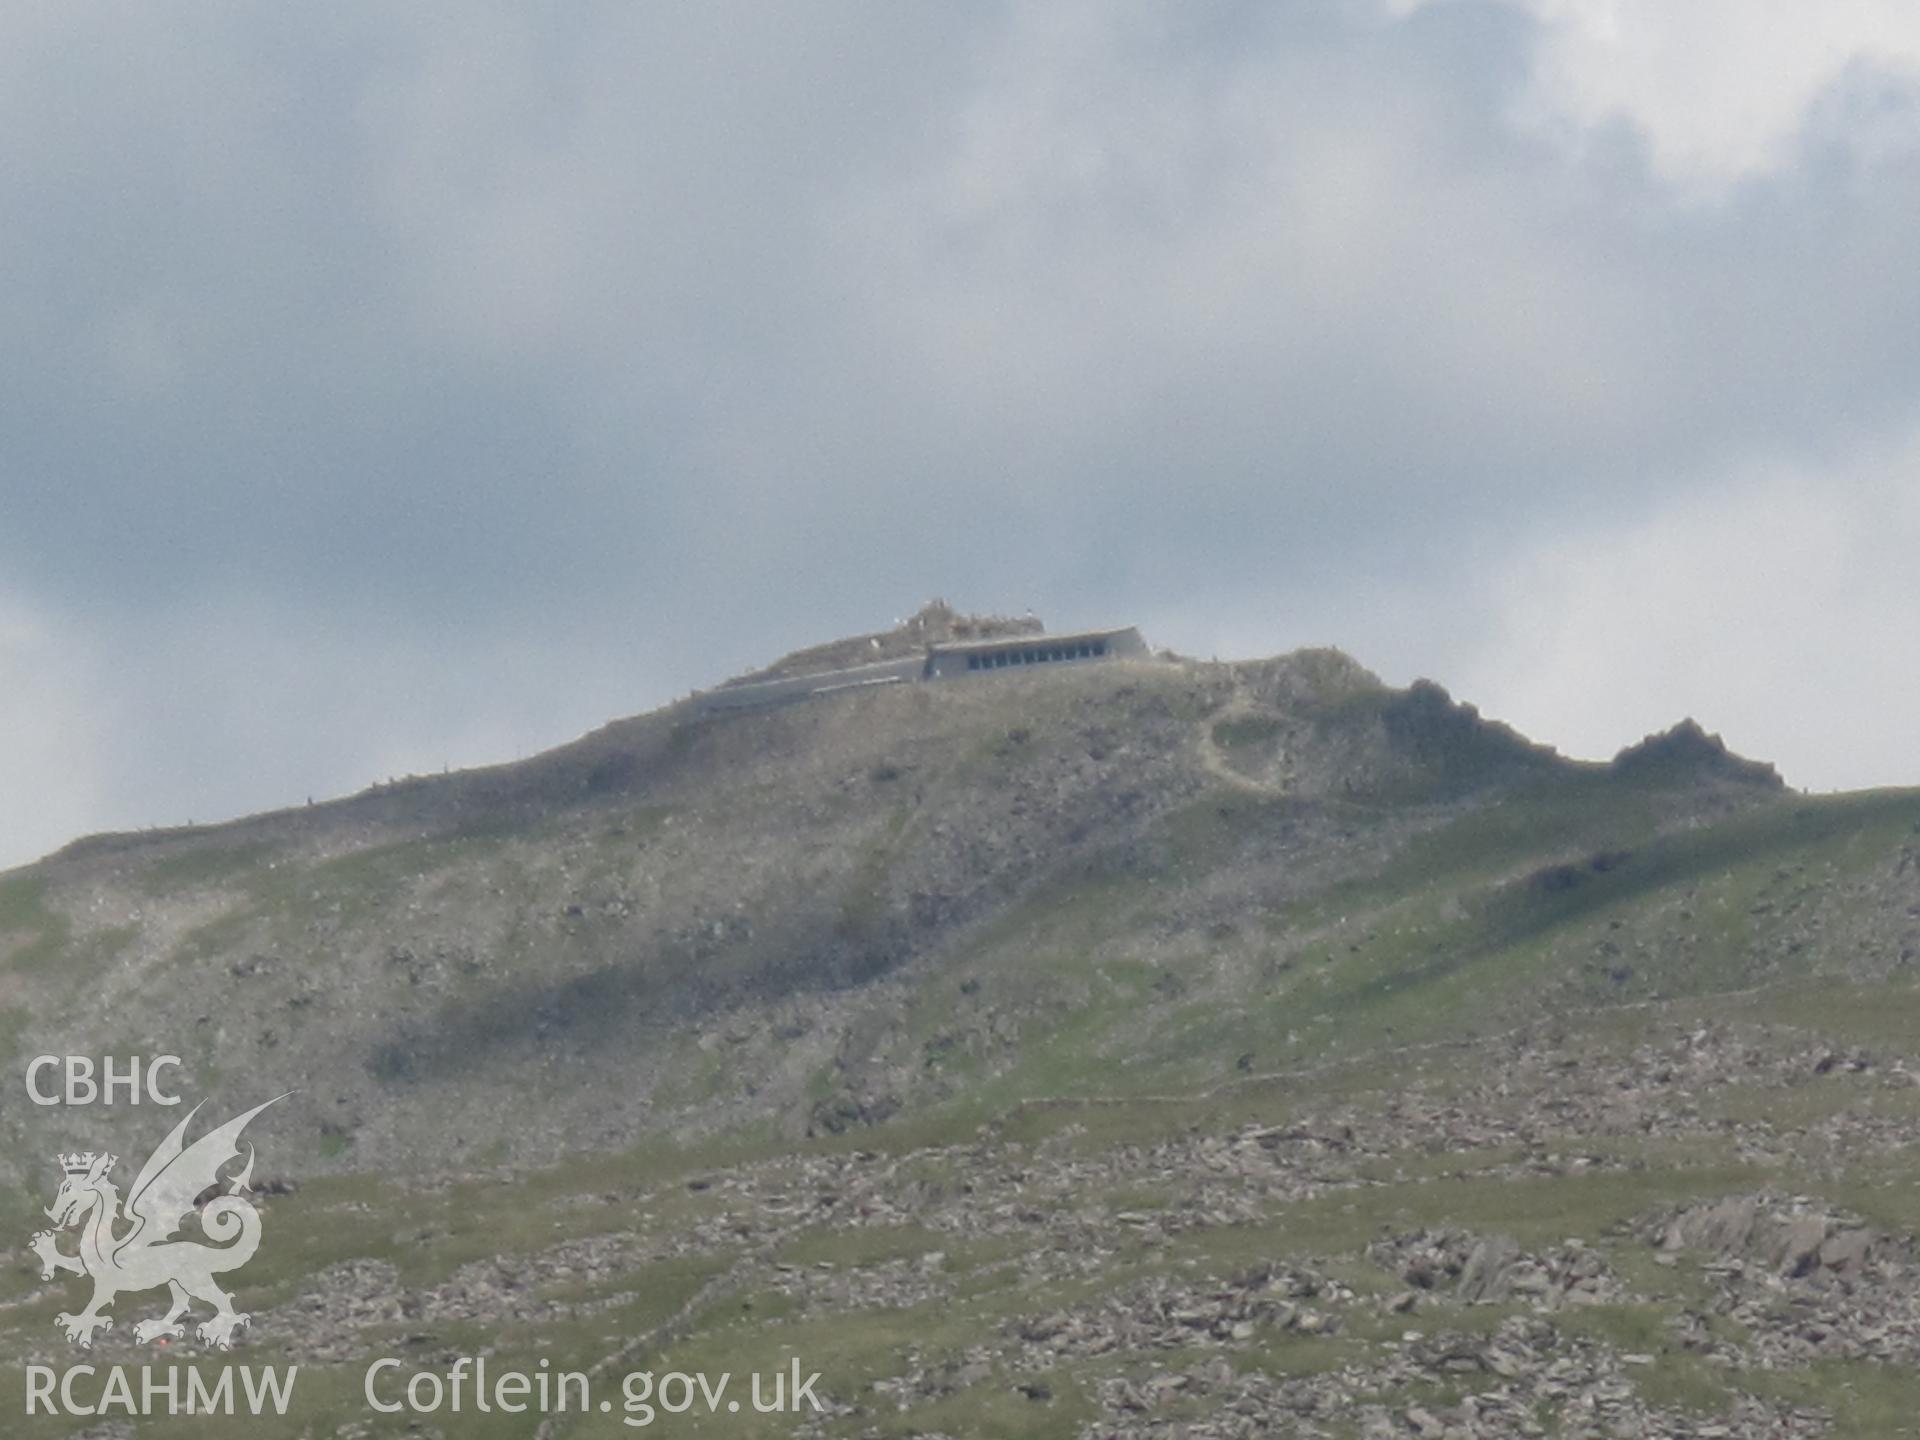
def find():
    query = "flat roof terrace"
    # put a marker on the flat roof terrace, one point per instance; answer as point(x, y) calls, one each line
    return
point(1002, 654)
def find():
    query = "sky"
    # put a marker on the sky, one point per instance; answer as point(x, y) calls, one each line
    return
point(390, 388)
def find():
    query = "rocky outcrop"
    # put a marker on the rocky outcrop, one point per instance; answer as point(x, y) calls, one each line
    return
point(1687, 751)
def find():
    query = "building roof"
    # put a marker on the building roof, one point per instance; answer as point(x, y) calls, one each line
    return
point(1031, 642)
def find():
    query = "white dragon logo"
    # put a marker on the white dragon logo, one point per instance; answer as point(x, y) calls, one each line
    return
point(147, 1256)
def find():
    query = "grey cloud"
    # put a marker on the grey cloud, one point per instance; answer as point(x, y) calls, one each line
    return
point(641, 344)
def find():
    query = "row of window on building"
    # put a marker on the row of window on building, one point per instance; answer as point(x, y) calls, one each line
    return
point(1000, 659)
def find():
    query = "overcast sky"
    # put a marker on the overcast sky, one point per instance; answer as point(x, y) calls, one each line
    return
point(397, 386)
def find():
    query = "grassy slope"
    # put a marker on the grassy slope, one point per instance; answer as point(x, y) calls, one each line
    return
point(1138, 1006)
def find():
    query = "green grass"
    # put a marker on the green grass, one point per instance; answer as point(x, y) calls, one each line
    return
point(200, 867)
point(39, 933)
point(1868, 1401)
point(1471, 913)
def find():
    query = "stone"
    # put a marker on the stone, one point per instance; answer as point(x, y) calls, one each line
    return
point(1485, 1276)
point(1846, 1250)
point(1800, 1242)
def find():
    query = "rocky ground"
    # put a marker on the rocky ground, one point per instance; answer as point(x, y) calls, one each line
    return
point(1682, 1226)
point(1156, 1049)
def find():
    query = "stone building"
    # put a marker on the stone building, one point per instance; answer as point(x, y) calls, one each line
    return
point(972, 657)
point(943, 660)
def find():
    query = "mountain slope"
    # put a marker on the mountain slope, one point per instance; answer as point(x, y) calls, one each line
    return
point(1254, 954)
point(751, 918)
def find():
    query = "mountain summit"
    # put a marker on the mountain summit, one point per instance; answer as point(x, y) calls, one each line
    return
point(1148, 1041)
point(759, 917)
